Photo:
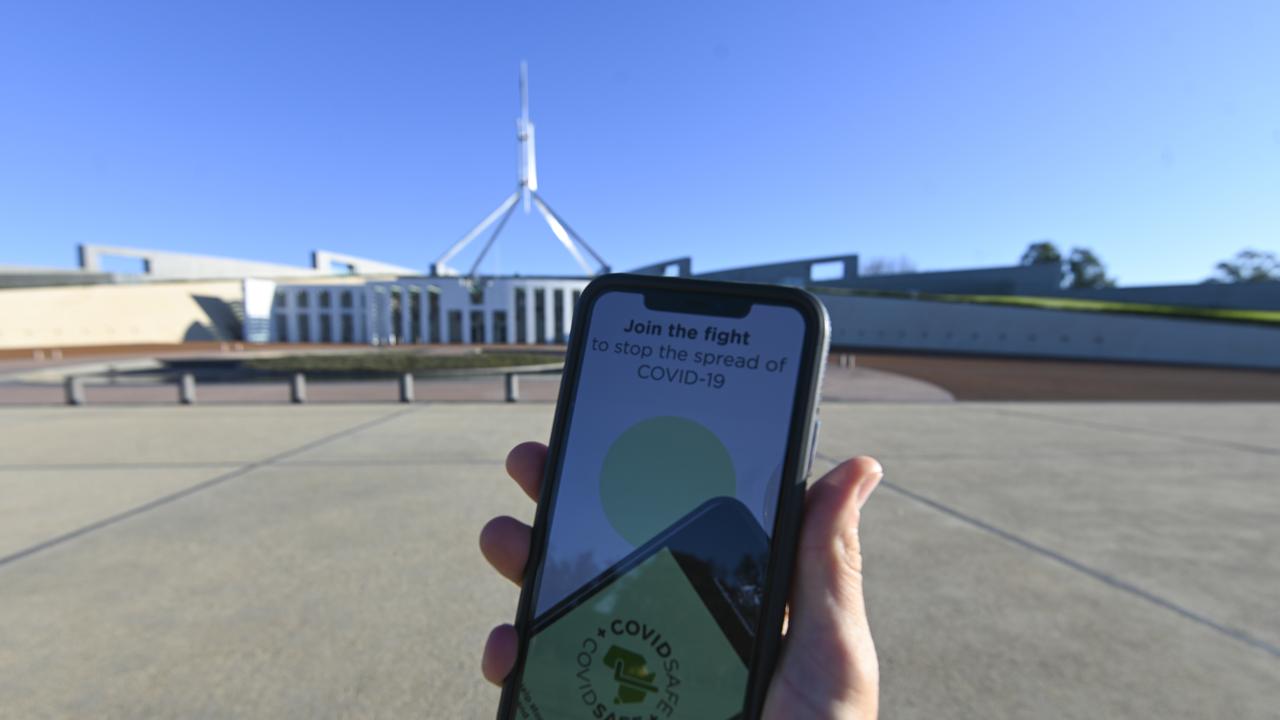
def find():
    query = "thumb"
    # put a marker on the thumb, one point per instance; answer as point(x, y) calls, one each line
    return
point(829, 650)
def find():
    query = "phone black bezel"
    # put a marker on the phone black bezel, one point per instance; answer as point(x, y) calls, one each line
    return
point(703, 297)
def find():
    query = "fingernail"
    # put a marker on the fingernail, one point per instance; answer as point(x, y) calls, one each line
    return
point(867, 486)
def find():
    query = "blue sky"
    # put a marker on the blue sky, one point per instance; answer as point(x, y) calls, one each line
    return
point(952, 133)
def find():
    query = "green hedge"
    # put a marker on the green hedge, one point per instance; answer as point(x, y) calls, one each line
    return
point(395, 361)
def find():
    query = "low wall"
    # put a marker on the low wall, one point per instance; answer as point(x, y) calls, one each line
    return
point(923, 326)
point(1015, 280)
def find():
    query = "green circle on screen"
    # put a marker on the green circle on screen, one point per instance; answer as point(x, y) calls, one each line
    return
point(657, 471)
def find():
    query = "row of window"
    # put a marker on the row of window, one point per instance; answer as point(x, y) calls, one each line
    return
point(410, 307)
point(346, 328)
point(346, 299)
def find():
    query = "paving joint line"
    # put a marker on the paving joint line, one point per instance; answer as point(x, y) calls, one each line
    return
point(1080, 567)
point(62, 467)
point(194, 489)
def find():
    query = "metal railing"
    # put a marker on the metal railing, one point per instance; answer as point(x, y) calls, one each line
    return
point(186, 387)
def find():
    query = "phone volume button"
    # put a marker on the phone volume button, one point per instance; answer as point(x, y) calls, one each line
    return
point(813, 446)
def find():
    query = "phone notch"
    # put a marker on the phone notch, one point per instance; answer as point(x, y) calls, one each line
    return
point(697, 303)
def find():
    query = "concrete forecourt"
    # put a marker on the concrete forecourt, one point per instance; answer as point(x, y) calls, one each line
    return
point(1022, 560)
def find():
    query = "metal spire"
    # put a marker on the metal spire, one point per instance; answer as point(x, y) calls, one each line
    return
point(526, 188)
point(527, 161)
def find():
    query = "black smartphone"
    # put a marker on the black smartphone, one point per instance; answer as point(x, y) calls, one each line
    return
point(663, 544)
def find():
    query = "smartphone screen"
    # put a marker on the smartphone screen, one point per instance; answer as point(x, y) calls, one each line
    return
point(649, 593)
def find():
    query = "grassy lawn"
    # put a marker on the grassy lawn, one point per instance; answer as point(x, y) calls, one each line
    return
point(395, 362)
point(1269, 317)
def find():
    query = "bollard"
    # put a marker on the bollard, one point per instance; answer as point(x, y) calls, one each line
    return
point(187, 389)
point(298, 389)
point(75, 390)
point(513, 387)
point(406, 388)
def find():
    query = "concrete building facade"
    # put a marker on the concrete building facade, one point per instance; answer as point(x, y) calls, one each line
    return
point(411, 310)
point(373, 304)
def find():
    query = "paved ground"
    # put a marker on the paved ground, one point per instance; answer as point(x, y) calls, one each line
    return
point(1024, 560)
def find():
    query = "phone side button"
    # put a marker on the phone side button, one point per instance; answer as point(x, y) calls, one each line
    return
point(813, 446)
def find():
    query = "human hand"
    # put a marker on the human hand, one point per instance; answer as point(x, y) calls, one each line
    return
point(828, 667)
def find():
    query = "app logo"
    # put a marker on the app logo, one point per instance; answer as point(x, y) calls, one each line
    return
point(625, 669)
point(635, 679)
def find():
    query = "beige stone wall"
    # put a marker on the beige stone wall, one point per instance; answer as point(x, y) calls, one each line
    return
point(155, 312)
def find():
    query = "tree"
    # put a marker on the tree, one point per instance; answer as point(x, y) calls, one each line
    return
point(1248, 266)
point(1080, 269)
point(1086, 270)
point(887, 266)
point(1042, 252)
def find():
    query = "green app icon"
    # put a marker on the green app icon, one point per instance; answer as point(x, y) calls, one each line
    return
point(635, 680)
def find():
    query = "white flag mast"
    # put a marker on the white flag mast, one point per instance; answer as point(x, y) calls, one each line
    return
point(526, 190)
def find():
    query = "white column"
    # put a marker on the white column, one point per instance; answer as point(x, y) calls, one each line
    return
point(548, 315)
point(531, 297)
point(291, 315)
point(511, 314)
point(404, 313)
point(313, 313)
point(529, 335)
point(566, 309)
point(335, 315)
point(360, 315)
point(424, 311)
point(384, 314)
point(375, 315)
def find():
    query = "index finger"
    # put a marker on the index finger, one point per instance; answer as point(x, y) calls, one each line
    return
point(524, 464)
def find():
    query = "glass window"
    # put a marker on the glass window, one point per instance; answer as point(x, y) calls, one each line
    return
point(455, 326)
point(397, 316)
point(521, 315)
point(499, 326)
point(433, 317)
point(540, 315)
point(559, 317)
point(415, 314)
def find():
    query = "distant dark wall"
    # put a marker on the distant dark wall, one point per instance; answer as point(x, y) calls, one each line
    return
point(679, 267)
point(1034, 280)
point(795, 272)
point(1015, 280)
point(900, 324)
